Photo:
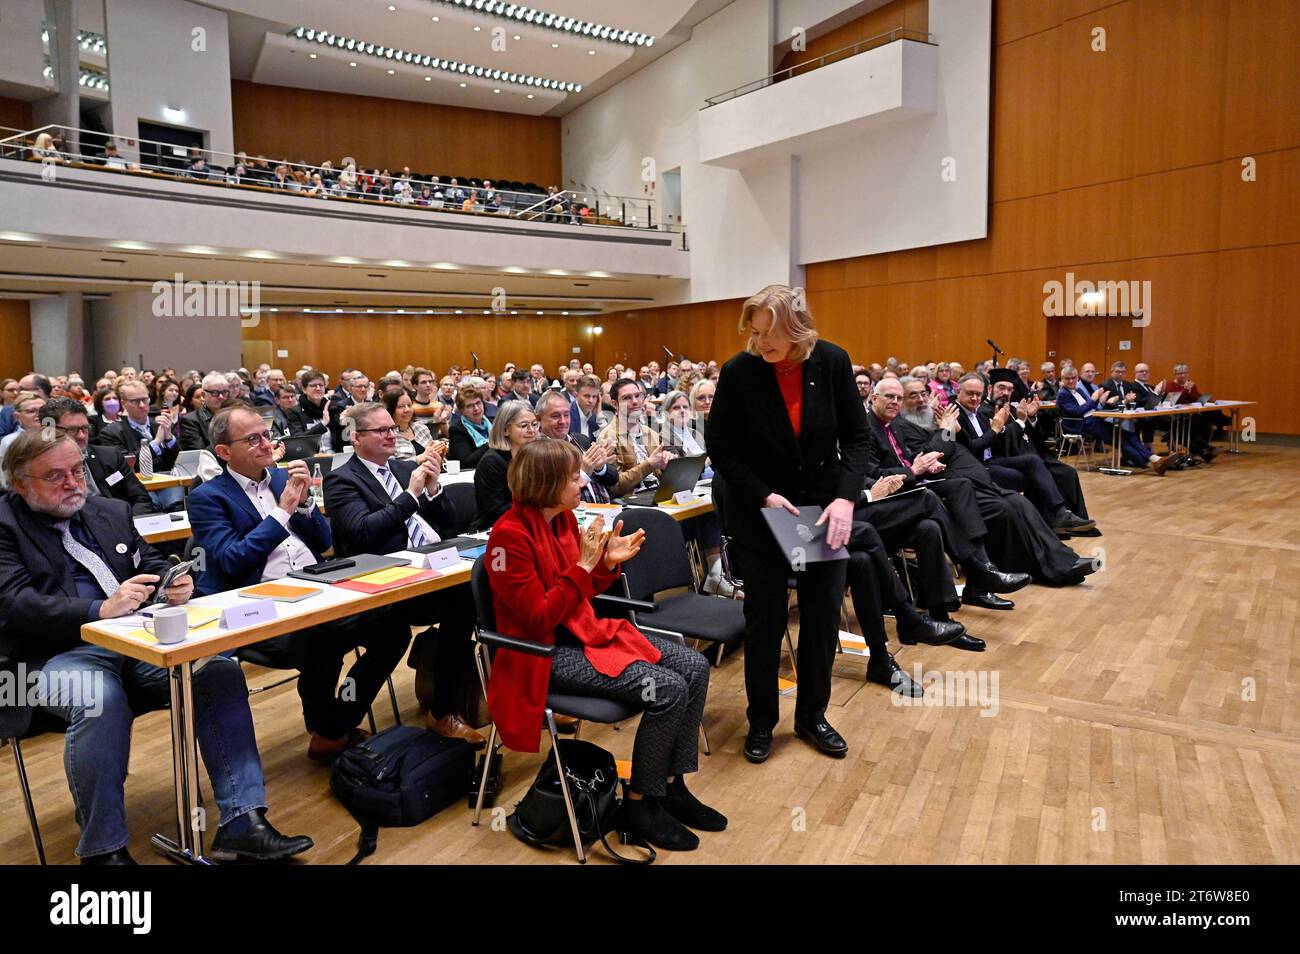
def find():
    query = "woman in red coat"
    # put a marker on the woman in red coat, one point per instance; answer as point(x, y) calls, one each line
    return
point(544, 573)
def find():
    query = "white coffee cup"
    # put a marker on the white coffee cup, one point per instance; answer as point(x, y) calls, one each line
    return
point(451, 466)
point(171, 624)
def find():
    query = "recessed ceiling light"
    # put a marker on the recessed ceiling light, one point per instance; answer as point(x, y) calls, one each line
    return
point(496, 91)
point(435, 19)
point(462, 85)
point(352, 63)
point(338, 309)
point(478, 29)
point(516, 36)
point(459, 312)
point(392, 72)
point(555, 46)
point(591, 52)
point(391, 8)
point(428, 79)
point(311, 55)
point(530, 95)
point(370, 311)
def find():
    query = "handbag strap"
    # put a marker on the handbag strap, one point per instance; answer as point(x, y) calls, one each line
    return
point(600, 830)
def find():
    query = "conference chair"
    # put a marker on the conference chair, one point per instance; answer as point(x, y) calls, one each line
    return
point(464, 502)
point(585, 708)
point(1067, 439)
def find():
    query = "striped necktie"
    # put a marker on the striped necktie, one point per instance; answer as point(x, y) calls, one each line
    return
point(88, 558)
point(414, 535)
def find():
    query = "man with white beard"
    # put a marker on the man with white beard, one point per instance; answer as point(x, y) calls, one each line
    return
point(1018, 536)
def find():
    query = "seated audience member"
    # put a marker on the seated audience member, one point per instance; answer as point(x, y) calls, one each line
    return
point(942, 384)
point(136, 429)
point(194, 427)
point(107, 472)
point(584, 411)
point(515, 426)
point(9, 390)
point(1148, 398)
point(471, 202)
point(470, 431)
point(541, 592)
point(1018, 537)
point(257, 522)
point(358, 392)
point(27, 414)
point(107, 407)
point(521, 388)
point(678, 430)
point(447, 390)
point(1012, 464)
point(1203, 424)
point(193, 399)
point(381, 504)
point(702, 403)
point(598, 472)
point(68, 559)
point(1134, 452)
point(166, 397)
point(422, 380)
point(637, 451)
point(413, 437)
point(313, 401)
point(1048, 384)
point(1075, 402)
point(287, 418)
point(862, 380)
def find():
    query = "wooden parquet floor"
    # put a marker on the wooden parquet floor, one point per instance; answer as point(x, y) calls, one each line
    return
point(1149, 716)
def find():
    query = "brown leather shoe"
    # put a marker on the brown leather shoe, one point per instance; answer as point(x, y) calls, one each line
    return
point(325, 751)
point(453, 726)
point(566, 725)
point(1162, 464)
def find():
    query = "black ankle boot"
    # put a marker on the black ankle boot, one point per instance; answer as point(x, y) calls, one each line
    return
point(690, 811)
point(646, 819)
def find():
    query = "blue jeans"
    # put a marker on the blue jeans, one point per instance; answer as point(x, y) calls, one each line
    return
point(99, 693)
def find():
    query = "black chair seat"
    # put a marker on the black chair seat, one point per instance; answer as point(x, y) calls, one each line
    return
point(699, 617)
point(591, 709)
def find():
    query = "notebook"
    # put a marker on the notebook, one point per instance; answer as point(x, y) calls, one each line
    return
point(280, 592)
point(800, 539)
point(387, 579)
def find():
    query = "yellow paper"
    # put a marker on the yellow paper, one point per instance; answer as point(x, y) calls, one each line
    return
point(390, 575)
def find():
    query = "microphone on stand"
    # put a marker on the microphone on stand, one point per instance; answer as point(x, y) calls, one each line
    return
point(669, 353)
point(475, 357)
point(996, 350)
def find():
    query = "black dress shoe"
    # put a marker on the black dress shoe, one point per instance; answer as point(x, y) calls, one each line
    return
point(689, 810)
point(119, 857)
point(889, 673)
point(985, 600)
point(646, 820)
point(932, 632)
point(758, 745)
point(1090, 532)
point(1072, 523)
point(972, 644)
point(989, 579)
point(825, 738)
point(258, 842)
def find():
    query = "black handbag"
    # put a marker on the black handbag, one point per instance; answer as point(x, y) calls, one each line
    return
point(540, 817)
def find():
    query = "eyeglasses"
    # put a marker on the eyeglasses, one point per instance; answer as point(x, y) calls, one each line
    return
point(529, 425)
point(142, 400)
point(256, 439)
point(56, 477)
point(74, 431)
point(216, 392)
point(391, 429)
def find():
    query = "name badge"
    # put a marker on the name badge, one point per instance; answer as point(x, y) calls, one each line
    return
point(248, 613)
point(684, 497)
point(113, 478)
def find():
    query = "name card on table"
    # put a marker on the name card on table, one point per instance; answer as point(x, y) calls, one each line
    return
point(154, 523)
point(442, 558)
point(684, 497)
point(248, 613)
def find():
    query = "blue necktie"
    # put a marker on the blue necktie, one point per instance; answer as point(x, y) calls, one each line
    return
point(414, 535)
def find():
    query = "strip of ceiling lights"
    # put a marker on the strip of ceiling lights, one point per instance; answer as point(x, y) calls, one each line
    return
point(380, 51)
point(553, 21)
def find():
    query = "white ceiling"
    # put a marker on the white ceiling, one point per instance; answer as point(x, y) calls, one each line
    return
point(262, 51)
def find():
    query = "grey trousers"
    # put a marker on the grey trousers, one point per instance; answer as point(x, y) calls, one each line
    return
point(672, 693)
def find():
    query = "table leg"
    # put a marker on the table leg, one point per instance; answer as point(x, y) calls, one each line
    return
point(188, 846)
point(1234, 432)
point(1116, 460)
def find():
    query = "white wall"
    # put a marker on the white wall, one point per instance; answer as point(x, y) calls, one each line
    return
point(21, 60)
point(126, 331)
point(152, 64)
point(737, 222)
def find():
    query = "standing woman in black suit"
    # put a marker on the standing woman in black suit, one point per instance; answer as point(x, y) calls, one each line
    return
point(787, 430)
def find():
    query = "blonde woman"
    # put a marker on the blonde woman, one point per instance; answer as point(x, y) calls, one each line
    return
point(44, 149)
point(515, 425)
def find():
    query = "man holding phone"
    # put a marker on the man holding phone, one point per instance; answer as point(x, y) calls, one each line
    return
point(67, 558)
point(128, 433)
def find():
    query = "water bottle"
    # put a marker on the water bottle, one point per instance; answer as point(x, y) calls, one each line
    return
point(317, 485)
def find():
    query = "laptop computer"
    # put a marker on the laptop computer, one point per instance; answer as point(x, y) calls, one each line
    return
point(301, 446)
point(682, 473)
point(187, 463)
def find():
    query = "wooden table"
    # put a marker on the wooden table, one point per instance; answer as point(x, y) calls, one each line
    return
point(1180, 427)
point(179, 659)
point(165, 481)
point(172, 530)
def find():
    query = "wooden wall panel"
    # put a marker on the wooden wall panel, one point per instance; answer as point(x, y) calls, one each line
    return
point(15, 113)
point(1263, 73)
point(16, 333)
point(1095, 127)
point(1024, 151)
point(312, 125)
point(898, 15)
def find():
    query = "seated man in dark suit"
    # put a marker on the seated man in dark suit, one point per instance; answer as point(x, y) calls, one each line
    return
point(599, 470)
point(1018, 537)
point(68, 559)
point(106, 472)
point(288, 417)
point(194, 426)
point(137, 428)
point(381, 505)
point(358, 392)
point(1011, 459)
point(258, 522)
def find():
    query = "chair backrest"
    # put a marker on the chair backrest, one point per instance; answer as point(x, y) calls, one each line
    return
point(465, 502)
point(481, 586)
point(662, 563)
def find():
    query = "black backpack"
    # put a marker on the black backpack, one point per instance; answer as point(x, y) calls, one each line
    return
point(398, 778)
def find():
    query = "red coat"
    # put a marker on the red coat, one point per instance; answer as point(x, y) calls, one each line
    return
point(538, 586)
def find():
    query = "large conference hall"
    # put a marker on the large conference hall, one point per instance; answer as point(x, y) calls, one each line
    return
point(700, 432)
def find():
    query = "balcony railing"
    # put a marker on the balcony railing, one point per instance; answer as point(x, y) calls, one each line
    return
point(818, 62)
point(302, 181)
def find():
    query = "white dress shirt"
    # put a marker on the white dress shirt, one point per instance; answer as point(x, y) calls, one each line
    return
point(291, 553)
point(425, 528)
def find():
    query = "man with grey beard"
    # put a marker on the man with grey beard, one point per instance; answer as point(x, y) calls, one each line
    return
point(1018, 537)
point(68, 559)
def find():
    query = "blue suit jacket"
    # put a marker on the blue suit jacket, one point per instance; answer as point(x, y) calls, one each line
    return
point(236, 541)
point(1071, 406)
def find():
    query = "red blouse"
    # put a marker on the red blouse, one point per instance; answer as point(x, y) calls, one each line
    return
point(789, 375)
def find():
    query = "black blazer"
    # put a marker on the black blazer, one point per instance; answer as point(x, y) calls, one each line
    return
point(1002, 445)
point(754, 449)
point(491, 492)
point(105, 462)
point(365, 519)
point(882, 460)
point(462, 445)
point(957, 459)
point(194, 430)
point(39, 604)
point(121, 435)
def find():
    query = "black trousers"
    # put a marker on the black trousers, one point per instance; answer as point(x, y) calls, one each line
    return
point(962, 508)
point(1028, 474)
point(766, 573)
point(1020, 541)
point(875, 587)
point(443, 658)
point(317, 653)
point(920, 521)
